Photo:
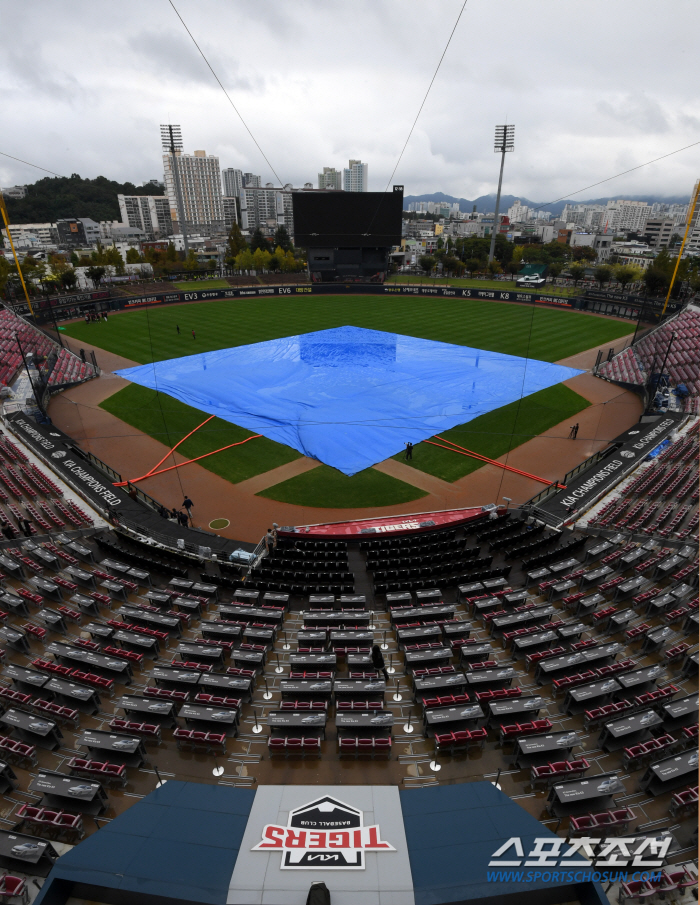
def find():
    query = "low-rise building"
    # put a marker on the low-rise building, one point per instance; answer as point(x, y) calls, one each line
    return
point(15, 191)
point(658, 232)
point(78, 231)
point(637, 253)
point(31, 235)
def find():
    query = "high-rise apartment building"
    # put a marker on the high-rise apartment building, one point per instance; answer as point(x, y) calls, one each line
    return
point(250, 180)
point(230, 206)
point(330, 178)
point(626, 216)
point(518, 212)
point(200, 178)
point(355, 176)
point(151, 213)
point(266, 208)
point(232, 182)
point(692, 243)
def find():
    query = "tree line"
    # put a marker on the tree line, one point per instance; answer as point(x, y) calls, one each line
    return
point(470, 254)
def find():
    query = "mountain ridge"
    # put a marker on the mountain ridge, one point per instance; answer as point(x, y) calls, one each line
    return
point(487, 203)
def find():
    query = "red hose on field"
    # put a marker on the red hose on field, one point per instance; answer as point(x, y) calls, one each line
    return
point(463, 451)
point(152, 474)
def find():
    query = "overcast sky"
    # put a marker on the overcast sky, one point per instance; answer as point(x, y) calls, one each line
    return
point(593, 88)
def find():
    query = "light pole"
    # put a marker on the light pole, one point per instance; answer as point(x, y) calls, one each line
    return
point(171, 139)
point(503, 141)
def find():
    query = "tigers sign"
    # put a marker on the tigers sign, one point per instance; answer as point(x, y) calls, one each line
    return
point(324, 834)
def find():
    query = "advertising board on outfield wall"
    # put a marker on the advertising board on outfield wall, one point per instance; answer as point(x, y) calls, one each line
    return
point(624, 306)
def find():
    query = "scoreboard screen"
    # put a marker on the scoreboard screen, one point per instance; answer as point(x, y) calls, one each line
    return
point(347, 219)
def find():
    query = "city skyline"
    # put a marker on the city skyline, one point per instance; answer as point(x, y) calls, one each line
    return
point(606, 112)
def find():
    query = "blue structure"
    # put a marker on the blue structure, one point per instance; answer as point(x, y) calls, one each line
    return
point(188, 842)
point(348, 397)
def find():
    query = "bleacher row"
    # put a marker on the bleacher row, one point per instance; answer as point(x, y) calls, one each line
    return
point(662, 499)
point(634, 364)
point(69, 368)
point(24, 484)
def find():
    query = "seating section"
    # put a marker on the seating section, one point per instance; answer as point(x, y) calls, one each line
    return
point(64, 366)
point(483, 662)
point(679, 357)
point(660, 501)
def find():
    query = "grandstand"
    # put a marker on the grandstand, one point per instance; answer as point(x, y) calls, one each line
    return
point(672, 350)
point(555, 663)
point(58, 365)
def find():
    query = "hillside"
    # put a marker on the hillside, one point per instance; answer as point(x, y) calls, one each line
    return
point(57, 197)
point(487, 203)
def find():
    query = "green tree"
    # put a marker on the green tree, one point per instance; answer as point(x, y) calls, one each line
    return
point(282, 239)
point(235, 242)
point(583, 253)
point(603, 274)
point(133, 256)
point(494, 267)
point(171, 253)
point(112, 257)
point(51, 199)
point(656, 280)
point(95, 274)
point(258, 241)
point(191, 263)
point(427, 262)
point(244, 260)
point(68, 279)
point(74, 259)
point(576, 272)
point(627, 273)
point(5, 270)
point(261, 259)
point(554, 269)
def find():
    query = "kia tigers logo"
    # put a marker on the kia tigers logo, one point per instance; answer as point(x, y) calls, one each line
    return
point(325, 834)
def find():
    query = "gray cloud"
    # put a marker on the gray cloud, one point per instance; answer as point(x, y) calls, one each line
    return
point(86, 86)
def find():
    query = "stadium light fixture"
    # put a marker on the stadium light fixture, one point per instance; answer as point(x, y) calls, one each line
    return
point(171, 140)
point(503, 142)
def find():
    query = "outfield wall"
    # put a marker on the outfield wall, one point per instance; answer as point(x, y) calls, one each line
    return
point(628, 307)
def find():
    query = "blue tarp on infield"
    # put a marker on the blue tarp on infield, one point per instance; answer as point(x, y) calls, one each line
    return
point(349, 397)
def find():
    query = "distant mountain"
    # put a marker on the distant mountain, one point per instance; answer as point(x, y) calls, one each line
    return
point(58, 197)
point(487, 203)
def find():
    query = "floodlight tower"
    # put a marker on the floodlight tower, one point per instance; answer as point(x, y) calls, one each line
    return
point(503, 141)
point(171, 140)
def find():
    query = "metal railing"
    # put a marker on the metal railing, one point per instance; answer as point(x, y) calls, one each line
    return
point(553, 488)
point(150, 501)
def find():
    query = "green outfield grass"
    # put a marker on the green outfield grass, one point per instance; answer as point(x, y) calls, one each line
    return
point(147, 335)
point(168, 420)
point(466, 283)
point(543, 333)
point(325, 487)
point(497, 432)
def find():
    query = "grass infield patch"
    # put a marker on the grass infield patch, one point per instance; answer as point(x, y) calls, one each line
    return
point(168, 420)
point(496, 433)
point(324, 487)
